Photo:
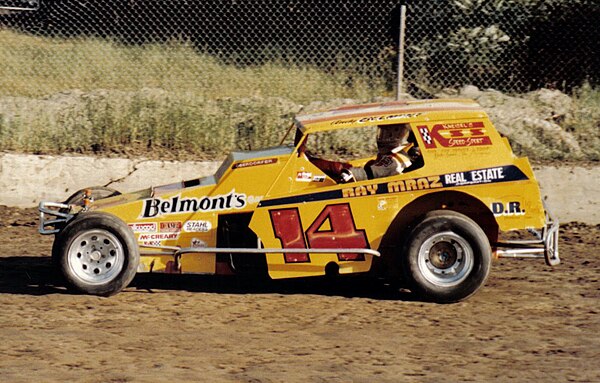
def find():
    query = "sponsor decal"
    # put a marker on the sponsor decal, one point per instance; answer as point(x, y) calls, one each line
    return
point(248, 164)
point(343, 122)
point(508, 173)
point(474, 177)
point(197, 226)
point(254, 198)
point(151, 243)
point(415, 184)
point(359, 191)
point(147, 227)
point(320, 178)
point(365, 120)
point(170, 227)
point(394, 187)
point(158, 236)
point(155, 207)
point(197, 243)
point(387, 117)
point(458, 135)
point(510, 209)
point(304, 176)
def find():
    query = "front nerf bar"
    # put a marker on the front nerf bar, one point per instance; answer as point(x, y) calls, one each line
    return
point(53, 209)
point(546, 247)
point(50, 225)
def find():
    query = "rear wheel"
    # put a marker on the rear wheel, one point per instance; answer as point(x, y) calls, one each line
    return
point(447, 257)
point(97, 254)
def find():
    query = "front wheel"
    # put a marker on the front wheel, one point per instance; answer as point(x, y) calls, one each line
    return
point(97, 254)
point(97, 192)
point(447, 257)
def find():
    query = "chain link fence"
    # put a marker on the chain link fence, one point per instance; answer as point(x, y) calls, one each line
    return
point(512, 46)
point(346, 38)
point(210, 76)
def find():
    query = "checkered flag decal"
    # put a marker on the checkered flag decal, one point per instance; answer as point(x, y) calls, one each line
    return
point(425, 134)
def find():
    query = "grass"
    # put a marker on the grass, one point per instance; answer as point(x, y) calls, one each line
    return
point(156, 122)
point(92, 96)
point(584, 123)
point(39, 66)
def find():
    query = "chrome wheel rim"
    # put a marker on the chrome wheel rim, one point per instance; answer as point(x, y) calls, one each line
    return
point(96, 256)
point(445, 259)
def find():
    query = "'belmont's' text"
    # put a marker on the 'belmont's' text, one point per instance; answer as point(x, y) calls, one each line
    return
point(156, 207)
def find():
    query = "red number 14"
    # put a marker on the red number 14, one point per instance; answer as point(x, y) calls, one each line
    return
point(333, 228)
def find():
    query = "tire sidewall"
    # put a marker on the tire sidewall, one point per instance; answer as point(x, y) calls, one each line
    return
point(434, 223)
point(113, 225)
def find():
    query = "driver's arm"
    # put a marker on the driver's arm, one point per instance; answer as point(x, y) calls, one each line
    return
point(333, 169)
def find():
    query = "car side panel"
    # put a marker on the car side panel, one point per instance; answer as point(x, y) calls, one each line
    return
point(188, 216)
point(290, 220)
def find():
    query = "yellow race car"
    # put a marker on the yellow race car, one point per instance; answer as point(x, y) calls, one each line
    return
point(431, 210)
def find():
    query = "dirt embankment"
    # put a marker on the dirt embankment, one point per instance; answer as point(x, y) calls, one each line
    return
point(570, 190)
point(530, 323)
point(544, 124)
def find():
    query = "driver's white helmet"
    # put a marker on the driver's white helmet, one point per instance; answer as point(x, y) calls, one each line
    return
point(392, 138)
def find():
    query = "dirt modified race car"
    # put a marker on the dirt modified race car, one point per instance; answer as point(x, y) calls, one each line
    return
point(435, 227)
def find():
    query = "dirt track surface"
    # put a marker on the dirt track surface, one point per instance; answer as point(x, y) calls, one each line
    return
point(529, 323)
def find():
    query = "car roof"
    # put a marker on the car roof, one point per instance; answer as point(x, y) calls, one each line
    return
point(394, 112)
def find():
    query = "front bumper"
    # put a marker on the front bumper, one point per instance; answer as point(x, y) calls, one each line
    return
point(53, 217)
point(545, 247)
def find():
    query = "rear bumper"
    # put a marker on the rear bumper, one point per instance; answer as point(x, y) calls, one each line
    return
point(545, 247)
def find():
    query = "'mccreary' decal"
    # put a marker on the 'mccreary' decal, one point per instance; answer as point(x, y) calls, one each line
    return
point(473, 177)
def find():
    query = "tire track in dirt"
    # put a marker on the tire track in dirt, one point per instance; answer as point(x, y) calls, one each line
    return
point(529, 323)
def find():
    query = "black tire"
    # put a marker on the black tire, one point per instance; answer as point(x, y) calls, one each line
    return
point(447, 257)
point(97, 254)
point(98, 192)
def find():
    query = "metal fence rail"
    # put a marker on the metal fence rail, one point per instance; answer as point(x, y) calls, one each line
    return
point(512, 46)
